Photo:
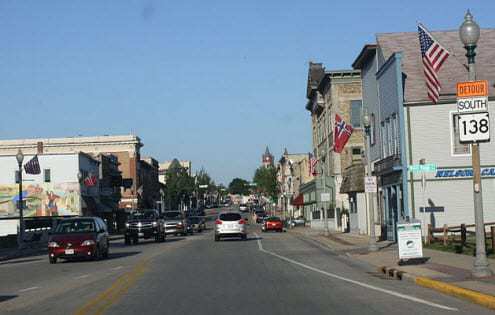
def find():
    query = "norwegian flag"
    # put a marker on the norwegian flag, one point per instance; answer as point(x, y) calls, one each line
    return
point(341, 134)
point(312, 165)
point(433, 56)
point(90, 181)
point(33, 166)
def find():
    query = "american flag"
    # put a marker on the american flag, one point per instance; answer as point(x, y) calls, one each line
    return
point(33, 166)
point(433, 55)
point(312, 165)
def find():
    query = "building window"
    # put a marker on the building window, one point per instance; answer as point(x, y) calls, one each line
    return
point(356, 151)
point(390, 137)
point(356, 108)
point(458, 148)
point(395, 133)
point(331, 213)
point(372, 129)
point(384, 139)
point(47, 175)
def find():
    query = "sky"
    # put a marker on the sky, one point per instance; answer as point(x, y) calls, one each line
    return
point(214, 82)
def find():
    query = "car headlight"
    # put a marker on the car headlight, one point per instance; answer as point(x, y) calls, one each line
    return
point(53, 244)
point(139, 224)
point(155, 223)
point(88, 243)
point(127, 225)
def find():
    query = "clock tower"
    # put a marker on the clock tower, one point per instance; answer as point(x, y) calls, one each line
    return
point(267, 158)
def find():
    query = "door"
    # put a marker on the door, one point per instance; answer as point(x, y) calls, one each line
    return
point(353, 213)
point(392, 212)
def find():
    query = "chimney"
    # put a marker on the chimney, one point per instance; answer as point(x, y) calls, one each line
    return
point(39, 147)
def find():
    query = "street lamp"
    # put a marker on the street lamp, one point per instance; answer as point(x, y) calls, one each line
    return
point(20, 157)
point(372, 246)
point(469, 33)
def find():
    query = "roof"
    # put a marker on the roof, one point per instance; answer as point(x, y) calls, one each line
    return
point(316, 72)
point(367, 52)
point(453, 70)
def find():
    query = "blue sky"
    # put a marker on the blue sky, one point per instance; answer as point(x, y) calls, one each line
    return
point(209, 81)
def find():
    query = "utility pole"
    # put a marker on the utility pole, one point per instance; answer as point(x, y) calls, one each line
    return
point(469, 33)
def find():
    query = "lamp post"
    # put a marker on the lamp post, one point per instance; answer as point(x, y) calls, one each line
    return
point(326, 231)
point(372, 246)
point(469, 33)
point(20, 157)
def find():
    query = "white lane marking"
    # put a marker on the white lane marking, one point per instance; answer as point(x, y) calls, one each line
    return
point(117, 268)
point(28, 289)
point(82, 276)
point(362, 284)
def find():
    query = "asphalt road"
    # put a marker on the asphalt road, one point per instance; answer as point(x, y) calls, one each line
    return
point(271, 273)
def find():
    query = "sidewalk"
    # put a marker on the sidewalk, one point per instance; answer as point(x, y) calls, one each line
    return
point(14, 253)
point(443, 268)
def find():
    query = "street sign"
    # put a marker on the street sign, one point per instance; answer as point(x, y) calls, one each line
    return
point(431, 209)
point(422, 168)
point(472, 104)
point(474, 127)
point(409, 240)
point(472, 89)
point(370, 184)
point(325, 197)
point(203, 186)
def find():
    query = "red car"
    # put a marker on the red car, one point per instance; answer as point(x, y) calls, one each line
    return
point(81, 237)
point(272, 224)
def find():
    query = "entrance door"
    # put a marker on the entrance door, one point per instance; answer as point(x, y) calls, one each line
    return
point(392, 212)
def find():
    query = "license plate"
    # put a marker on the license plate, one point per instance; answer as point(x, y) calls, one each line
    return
point(69, 252)
point(140, 234)
point(229, 226)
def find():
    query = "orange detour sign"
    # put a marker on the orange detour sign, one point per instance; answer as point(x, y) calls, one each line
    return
point(472, 89)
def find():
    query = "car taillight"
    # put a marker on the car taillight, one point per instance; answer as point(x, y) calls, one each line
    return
point(242, 221)
point(217, 221)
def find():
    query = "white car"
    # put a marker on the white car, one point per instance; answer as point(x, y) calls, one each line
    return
point(230, 224)
point(243, 207)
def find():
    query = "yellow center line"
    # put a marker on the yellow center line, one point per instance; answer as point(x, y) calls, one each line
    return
point(99, 304)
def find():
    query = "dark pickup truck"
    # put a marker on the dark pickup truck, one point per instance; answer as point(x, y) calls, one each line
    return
point(144, 224)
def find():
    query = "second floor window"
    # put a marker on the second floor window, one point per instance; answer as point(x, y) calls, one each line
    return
point(356, 108)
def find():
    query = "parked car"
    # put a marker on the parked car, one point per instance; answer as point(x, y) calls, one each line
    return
point(243, 207)
point(144, 224)
point(83, 237)
point(299, 221)
point(272, 224)
point(230, 224)
point(198, 223)
point(174, 222)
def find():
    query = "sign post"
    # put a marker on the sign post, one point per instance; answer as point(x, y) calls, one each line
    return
point(409, 240)
point(370, 184)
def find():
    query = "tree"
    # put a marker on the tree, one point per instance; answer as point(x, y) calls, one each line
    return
point(239, 186)
point(179, 185)
point(265, 179)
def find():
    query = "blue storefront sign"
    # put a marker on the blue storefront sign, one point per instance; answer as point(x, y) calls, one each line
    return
point(465, 172)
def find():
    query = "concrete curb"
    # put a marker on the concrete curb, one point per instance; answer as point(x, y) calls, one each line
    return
point(446, 288)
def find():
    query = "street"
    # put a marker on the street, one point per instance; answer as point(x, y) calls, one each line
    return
point(270, 273)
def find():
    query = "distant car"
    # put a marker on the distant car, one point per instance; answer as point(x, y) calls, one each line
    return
point(260, 215)
point(198, 223)
point(144, 224)
point(230, 224)
point(85, 237)
point(272, 224)
point(243, 207)
point(174, 222)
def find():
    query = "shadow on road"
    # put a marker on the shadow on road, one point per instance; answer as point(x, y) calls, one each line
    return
point(4, 298)
point(111, 256)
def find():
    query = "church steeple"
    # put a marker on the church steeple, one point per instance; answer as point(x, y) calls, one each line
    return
point(267, 158)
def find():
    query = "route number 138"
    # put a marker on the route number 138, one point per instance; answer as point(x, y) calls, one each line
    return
point(474, 127)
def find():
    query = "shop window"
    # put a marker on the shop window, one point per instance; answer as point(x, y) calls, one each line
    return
point(331, 213)
point(458, 148)
point(316, 215)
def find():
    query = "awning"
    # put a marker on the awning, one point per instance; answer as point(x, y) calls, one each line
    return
point(353, 179)
point(298, 201)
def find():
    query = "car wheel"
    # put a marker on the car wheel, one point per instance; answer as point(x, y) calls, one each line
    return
point(163, 237)
point(217, 238)
point(127, 240)
point(53, 260)
point(244, 237)
point(97, 254)
point(135, 240)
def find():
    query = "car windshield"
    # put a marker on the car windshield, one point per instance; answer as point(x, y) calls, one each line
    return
point(194, 220)
point(172, 215)
point(142, 215)
point(231, 216)
point(75, 226)
point(273, 219)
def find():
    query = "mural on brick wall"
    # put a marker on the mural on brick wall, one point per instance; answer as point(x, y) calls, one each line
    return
point(45, 199)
